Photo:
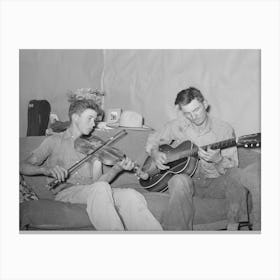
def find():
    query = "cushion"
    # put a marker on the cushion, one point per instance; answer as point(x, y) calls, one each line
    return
point(51, 214)
point(48, 214)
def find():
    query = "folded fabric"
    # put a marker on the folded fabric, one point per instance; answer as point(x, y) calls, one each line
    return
point(51, 214)
point(59, 126)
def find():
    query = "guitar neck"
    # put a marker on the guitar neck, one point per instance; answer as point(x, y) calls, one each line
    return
point(218, 145)
point(194, 150)
point(221, 145)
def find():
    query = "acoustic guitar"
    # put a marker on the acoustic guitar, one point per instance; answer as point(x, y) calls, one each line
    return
point(183, 158)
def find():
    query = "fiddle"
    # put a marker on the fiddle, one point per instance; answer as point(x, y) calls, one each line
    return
point(108, 155)
point(53, 184)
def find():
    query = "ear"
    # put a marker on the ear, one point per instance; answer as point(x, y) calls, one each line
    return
point(205, 104)
point(75, 117)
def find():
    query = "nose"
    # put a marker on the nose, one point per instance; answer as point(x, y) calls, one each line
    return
point(193, 115)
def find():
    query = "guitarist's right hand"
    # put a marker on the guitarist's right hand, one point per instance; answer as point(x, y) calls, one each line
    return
point(159, 159)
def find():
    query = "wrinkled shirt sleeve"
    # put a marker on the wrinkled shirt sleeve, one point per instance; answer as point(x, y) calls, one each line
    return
point(230, 155)
point(163, 136)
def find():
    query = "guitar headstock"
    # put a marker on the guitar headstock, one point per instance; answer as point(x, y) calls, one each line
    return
point(249, 141)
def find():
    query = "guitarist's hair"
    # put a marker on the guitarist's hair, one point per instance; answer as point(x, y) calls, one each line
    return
point(185, 96)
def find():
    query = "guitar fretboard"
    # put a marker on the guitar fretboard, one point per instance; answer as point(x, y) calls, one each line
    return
point(218, 145)
point(222, 144)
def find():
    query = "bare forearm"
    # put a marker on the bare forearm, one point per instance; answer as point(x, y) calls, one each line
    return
point(111, 174)
point(30, 169)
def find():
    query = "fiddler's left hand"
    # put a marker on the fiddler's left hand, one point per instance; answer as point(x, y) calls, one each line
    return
point(210, 155)
point(126, 164)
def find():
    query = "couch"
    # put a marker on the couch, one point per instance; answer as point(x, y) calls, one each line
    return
point(47, 214)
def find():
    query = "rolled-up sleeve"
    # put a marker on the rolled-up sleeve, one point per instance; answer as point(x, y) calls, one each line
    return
point(230, 155)
point(163, 136)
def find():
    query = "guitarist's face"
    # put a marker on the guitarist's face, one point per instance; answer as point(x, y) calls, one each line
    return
point(195, 111)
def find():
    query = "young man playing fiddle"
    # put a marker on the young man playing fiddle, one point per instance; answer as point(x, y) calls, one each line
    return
point(107, 208)
point(215, 175)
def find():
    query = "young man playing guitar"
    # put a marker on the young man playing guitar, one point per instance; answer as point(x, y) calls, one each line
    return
point(107, 208)
point(215, 175)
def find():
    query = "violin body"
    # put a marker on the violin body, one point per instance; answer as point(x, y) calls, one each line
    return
point(90, 149)
point(108, 155)
point(94, 146)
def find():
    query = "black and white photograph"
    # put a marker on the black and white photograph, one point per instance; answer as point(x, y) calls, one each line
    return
point(139, 140)
point(197, 165)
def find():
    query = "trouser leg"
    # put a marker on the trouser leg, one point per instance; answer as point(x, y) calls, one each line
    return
point(256, 203)
point(251, 181)
point(179, 213)
point(225, 186)
point(100, 204)
point(133, 210)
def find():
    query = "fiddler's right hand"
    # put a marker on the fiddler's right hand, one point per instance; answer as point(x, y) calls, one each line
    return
point(57, 172)
point(159, 159)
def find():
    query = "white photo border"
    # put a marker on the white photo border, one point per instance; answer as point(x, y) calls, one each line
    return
point(132, 25)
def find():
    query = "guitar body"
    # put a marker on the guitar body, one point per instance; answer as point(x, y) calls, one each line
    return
point(158, 179)
point(183, 158)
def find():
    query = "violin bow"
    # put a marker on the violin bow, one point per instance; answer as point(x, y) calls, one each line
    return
point(112, 139)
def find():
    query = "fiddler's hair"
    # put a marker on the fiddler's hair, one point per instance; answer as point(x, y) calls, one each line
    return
point(79, 106)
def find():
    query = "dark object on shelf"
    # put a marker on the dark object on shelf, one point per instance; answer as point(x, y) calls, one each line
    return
point(38, 117)
point(59, 126)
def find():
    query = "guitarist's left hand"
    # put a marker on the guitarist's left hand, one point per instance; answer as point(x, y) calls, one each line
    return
point(210, 155)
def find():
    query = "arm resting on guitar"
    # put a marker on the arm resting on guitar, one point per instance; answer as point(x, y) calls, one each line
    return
point(163, 136)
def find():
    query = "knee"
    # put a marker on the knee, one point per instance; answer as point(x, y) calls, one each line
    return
point(234, 180)
point(101, 187)
point(180, 184)
point(234, 173)
point(133, 196)
point(129, 198)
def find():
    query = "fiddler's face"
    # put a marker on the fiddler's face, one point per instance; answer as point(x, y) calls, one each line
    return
point(85, 122)
point(195, 111)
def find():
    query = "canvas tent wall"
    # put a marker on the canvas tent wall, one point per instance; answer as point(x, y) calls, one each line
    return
point(146, 81)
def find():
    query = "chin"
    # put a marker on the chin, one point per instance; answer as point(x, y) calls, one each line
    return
point(198, 123)
point(90, 130)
